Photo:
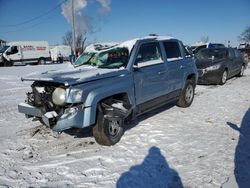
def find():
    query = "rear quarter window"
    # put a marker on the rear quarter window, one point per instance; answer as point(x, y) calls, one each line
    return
point(237, 53)
point(231, 53)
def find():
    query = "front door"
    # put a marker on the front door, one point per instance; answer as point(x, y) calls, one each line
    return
point(150, 74)
point(175, 64)
point(15, 54)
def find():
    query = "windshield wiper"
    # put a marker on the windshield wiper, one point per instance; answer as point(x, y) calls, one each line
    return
point(109, 67)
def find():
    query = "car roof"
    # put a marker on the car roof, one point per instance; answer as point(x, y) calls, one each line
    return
point(130, 43)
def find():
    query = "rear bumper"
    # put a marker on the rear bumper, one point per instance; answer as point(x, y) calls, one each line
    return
point(72, 117)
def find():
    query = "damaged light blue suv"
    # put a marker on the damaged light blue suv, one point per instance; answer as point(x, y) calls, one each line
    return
point(111, 84)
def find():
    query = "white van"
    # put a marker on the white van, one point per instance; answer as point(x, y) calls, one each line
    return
point(24, 52)
point(60, 51)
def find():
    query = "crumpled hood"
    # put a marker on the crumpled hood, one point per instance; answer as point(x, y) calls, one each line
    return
point(73, 76)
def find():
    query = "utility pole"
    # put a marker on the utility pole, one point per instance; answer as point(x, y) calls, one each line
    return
point(73, 27)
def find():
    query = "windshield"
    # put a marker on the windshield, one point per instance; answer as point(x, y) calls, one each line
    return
point(211, 54)
point(112, 58)
point(3, 49)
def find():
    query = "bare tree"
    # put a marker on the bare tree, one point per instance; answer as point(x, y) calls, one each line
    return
point(67, 39)
point(204, 39)
point(245, 35)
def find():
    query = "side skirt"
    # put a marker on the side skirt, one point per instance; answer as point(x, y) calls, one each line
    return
point(157, 102)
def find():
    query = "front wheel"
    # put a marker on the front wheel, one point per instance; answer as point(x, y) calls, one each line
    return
point(223, 79)
point(187, 95)
point(108, 130)
point(8, 63)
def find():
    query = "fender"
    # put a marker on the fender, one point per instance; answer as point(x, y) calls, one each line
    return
point(190, 73)
point(95, 96)
point(6, 57)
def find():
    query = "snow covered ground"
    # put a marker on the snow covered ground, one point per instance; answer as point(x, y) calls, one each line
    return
point(196, 147)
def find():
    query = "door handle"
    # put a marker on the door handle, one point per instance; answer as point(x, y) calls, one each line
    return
point(161, 72)
point(182, 67)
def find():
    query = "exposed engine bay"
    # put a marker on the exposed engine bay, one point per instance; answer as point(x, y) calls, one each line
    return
point(43, 96)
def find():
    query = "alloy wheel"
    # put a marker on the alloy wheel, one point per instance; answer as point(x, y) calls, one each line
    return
point(189, 93)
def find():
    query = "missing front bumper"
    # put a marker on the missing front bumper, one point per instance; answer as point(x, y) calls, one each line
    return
point(29, 110)
point(72, 117)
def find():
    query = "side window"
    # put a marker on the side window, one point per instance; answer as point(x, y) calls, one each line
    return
point(187, 51)
point(148, 52)
point(237, 54)
point(231, 53)
point(13, 50)
point(172, 50)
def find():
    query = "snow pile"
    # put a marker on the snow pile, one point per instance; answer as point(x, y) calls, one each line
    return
point(169, 147)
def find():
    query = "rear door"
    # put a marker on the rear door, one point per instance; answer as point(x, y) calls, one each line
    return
point(232, 66)
point(238, 60)
point(175, 64)
point(149, 73)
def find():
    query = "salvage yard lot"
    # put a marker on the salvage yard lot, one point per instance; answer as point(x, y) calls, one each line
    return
point(194, 147)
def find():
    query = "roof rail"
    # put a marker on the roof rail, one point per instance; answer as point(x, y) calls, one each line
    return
point(153, 35)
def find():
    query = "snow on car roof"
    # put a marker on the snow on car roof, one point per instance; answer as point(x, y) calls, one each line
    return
point(96, 47)
point(130, 43)
point(126, 44)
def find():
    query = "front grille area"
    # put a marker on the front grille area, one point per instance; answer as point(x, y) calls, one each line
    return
point(41, 96)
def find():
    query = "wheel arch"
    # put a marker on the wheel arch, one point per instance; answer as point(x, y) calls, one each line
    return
point(92, 103)
point(193, 77)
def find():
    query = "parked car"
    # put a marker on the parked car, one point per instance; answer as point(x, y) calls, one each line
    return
point(200, 45)
point(110, 85)
point(216, 65)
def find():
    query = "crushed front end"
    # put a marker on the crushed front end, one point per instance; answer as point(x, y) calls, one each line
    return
point(48, 103)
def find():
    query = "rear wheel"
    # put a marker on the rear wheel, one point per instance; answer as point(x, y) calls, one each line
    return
point(108, 130)
point(187, 95)
point(41, 61)
point(241, 73)
point(223, 79)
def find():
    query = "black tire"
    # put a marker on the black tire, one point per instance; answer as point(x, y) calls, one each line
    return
point(8, 63)
point(108, 130)
point(223, 78)
point(241, 73)
point(41, 61)
point(187, 96)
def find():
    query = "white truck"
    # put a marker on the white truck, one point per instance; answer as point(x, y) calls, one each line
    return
point(24, 52)
point(60, 51)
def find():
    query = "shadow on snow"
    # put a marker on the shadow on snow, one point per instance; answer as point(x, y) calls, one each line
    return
point(242, 152)
point(153, 172)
